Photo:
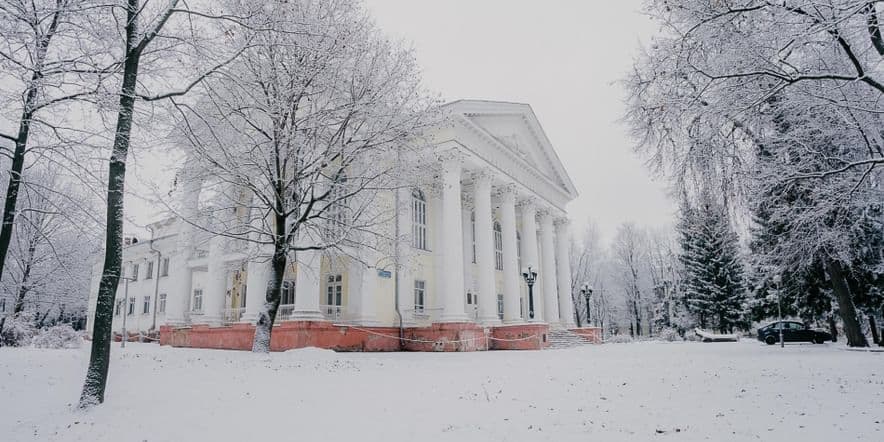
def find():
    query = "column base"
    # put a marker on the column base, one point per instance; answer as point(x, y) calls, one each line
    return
point(454, 318)
point(306, 315)
point(490, 321)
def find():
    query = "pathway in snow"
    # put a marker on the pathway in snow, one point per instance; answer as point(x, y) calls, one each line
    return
point(630, 392)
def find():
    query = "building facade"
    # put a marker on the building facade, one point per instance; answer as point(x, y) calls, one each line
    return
point(496, 207)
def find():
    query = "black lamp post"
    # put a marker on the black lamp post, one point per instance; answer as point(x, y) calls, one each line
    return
point(586, 291)
point(530, 276)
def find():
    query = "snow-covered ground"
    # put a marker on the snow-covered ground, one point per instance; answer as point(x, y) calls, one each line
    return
point(630, 392)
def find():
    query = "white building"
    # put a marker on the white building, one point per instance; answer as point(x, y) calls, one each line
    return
point(498, 207)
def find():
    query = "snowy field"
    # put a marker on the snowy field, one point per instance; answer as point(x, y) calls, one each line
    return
point(614, 392)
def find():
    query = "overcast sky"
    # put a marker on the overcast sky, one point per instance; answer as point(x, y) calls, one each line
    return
point(561, 57)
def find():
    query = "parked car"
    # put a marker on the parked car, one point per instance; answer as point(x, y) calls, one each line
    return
point(792, 332)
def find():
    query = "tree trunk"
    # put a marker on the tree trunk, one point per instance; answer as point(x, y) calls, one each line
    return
point(96, 374)
point(852, 329)
point(267, 315)
point(832, 328)
point(874, 328)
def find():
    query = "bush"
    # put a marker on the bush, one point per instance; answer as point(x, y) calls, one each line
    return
point(18, 331)
point(669, 335)
point(59, 336)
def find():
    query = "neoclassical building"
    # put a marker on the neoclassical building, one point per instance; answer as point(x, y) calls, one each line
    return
point(496, 209)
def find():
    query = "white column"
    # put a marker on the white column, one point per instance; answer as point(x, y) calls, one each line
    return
point(452, 277)
point(405, 246)
point(511, 271)
point(469, 282)
point(548, 270)
point(361, 287)
point(307, 286)
point(485, 248)
point(563, 267)
point(529, 254)
point(178, 296)
point(257, 276)
point(215, 293)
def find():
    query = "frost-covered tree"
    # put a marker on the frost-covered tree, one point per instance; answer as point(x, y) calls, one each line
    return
point(301, 136)
point(713, 280)
point(775, 96)
point(53, 242)
point(163, 50)
point(52, 61)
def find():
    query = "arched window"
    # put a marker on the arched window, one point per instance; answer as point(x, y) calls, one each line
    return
point(418, 219)
point(498, 246)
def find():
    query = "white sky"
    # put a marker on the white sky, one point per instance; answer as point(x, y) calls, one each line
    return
point(562, 58)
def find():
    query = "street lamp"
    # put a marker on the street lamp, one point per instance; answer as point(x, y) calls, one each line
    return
point(586, 291)
point(530, 276)
point(777, 280)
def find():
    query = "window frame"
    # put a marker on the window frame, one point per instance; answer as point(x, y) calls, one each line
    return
point(419, 224)
point(194, 298)
point(149, 273)
point(161, 303)
point(164, 267)
point(146, 306)
point(420, 292)
point(130, 309)
point(134, 272)
point(498, 247)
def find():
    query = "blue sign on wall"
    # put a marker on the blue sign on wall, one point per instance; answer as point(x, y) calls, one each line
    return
point(384, 273)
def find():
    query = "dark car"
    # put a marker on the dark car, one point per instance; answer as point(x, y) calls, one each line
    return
point(792, 332)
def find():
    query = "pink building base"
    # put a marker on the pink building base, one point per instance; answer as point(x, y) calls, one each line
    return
point(442, 337)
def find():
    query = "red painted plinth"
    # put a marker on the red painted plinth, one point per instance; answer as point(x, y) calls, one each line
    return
point(453, 336)
point(519, 337)
point(591, 334)
point(459, 336)
point(286, 336)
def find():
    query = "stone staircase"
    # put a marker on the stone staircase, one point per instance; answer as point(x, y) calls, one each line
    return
point(562, 338)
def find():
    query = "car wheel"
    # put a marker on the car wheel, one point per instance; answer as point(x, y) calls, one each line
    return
point(818, 340)
point(770, 340)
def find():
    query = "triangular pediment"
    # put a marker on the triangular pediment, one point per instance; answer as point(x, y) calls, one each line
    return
point(515, 128)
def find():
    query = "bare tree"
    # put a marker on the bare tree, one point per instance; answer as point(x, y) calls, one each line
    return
point(155, 38)
point(50, 55)
point(301, 135)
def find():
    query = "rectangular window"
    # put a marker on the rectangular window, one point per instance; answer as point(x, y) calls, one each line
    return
point(118, 307)
point(419, 220)
point(149, 274)
point(135, 272)
point(164, 267)
point(197, 305)
point(334, 290)
point(161, 304)
point(131, 310)
point(288, 292)
point(498, 247)
point(500, 305)
point(473, 233)
point(420, 292)
point(146, 309)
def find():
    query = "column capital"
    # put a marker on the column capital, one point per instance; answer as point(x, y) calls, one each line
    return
point(450, 158)
point(528, 202)
point(505, 190)
point(482, 175)
point(562, 222)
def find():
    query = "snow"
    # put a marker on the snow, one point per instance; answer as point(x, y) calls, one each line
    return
point(614, 392)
